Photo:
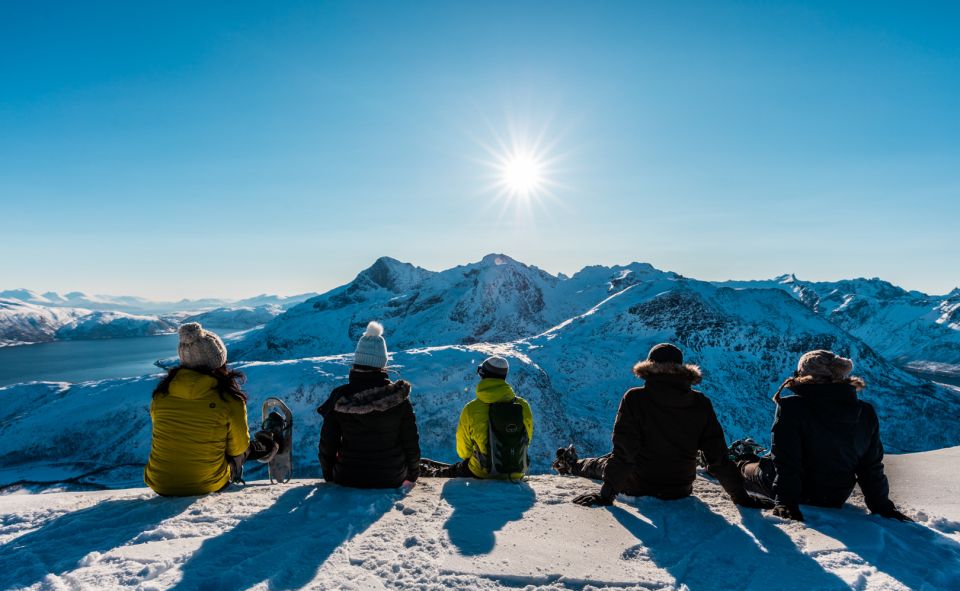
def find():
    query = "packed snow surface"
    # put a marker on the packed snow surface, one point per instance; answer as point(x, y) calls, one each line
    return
point(468, 534)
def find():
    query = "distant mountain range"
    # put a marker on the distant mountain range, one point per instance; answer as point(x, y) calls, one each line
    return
point(500, 300)
point(571, 342)
point(28, 317)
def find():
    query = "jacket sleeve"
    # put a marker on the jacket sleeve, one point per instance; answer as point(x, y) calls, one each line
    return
point(627, 443)
point(238, 432)
point(464, 440)
point(713, 444)
point(528, 421)
point(870, 476)
point(329, 445)
point(786, 445)
point(410, 442)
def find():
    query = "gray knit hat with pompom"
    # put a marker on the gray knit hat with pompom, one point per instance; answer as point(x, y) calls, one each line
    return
point(200, 349)
point(372, 348)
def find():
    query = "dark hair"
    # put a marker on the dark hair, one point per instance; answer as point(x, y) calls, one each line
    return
point(228, 382)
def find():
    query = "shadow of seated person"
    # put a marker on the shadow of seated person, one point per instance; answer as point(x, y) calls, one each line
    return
point(60, 544)
point(481, 508)
point(702, 550)
point(915, 555)
point(285, 544)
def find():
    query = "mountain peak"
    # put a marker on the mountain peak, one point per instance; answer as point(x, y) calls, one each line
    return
point(788, 278)
point(494, 259)
point(393, 275)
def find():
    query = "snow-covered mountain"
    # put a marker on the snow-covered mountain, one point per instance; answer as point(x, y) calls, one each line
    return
point(571, 341)
point(138, 305)
point(573, 374)
point(236, 317)
point(21, 322)
point(29, 317)
point(909, 327)
point(495, 300)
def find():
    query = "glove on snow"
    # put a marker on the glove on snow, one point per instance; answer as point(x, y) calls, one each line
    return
point(894, 514)
point(592, 500)
point(785, 512)
point(749, 501)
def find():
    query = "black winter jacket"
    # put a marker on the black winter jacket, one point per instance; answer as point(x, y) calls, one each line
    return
point(369, 437)
point(658, 431)
point(824, 441)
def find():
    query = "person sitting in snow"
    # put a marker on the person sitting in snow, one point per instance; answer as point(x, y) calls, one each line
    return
point(659, 429)
point(369, 437)
point(824, 440)
point(199, 413)
point(512, 423)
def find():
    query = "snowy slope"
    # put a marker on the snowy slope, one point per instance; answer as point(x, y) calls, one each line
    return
point(573, 377)
point(909, 327)
point(460, 534)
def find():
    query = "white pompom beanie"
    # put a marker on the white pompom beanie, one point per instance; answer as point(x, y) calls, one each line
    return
point(200, 349)
point(372, 348)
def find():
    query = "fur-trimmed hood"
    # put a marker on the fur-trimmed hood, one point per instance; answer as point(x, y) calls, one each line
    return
point(685, 372)
point(855, 381)
point(375, 399)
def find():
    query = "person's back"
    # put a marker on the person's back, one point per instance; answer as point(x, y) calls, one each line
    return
point(194, 430)
point(674, 421)
point(824, 440)
point(658, 434)
point(369, 436)
point(200, 438)
point(837, 435)
point(473, 429)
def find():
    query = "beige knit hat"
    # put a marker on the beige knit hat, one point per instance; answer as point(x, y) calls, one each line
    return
point(824, 366)
point(200, 349)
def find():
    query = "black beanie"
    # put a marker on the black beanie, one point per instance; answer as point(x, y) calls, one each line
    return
point(665, 353)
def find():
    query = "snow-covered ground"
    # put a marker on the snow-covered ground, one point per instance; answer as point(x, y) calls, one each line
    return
point(465, 534)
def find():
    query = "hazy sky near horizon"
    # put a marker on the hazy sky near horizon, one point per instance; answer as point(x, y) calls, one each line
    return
point(201, 149)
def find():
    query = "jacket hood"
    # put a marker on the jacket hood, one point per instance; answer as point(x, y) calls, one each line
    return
point(674, 372)
point(190, 385)
point(854, 381)
point(831, 402)
point(492, 390)
point(376, 399)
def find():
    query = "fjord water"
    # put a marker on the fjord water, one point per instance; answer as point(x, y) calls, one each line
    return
point(77, 361)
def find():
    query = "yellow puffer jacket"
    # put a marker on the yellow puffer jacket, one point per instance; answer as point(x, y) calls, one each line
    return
point(474, 423)
point(194, 430)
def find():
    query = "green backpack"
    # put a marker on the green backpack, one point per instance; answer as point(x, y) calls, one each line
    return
point(508, 441)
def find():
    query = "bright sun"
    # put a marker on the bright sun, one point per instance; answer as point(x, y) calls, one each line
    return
point(522, 174)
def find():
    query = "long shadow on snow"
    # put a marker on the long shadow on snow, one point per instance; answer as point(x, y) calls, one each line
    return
point(285, 544)
point(702, 550)
point(59, 545)
point(480, 509)
point(913, 554)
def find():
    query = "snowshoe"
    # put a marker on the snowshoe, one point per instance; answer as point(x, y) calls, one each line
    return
point(566, 460)
point(267, 445)
point(278, 422)
point(746, 450)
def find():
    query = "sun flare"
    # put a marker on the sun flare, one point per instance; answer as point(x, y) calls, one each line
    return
point(522, 174)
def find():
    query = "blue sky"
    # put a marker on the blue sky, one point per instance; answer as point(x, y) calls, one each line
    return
point(195, 149)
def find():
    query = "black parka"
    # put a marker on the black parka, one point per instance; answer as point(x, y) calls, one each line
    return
point(824, 441)
point(369, 437)
point(658, 431)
